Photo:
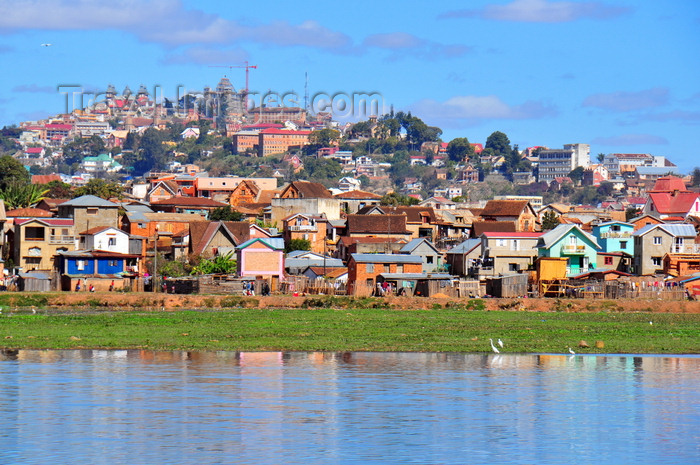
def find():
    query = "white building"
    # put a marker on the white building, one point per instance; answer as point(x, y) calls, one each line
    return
point(557, 163)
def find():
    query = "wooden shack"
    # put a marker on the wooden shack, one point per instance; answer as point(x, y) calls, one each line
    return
point(514, 285)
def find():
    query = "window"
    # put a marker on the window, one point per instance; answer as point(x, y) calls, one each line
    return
point(34, 234)
point(111, 262)
point(623, 244)
point(656, 261)
point(429, 259)
point(80, 264)
point(112, 241)
point(500, 242)
point(608, 260)
point(92, 211)
point(515, 245)
point(657, 240)
point(399, 268)
point(513, 267)
point(370, 268)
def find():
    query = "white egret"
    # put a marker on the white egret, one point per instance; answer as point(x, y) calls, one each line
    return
point(571, 351)
point(493, 347)
point(500, 343)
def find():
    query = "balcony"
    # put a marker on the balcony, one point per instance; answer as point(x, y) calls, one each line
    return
point(573, 249)
point(615, 235)
point(61, 239)
point(303, 227)
point(685, 249)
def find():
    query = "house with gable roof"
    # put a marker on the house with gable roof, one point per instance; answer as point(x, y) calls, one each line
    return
point(653, 242)
point(518, 211)
point(261, 258)
point(313, 228)
point(35, 242)
point(464, 257)
point(671, 198)
point(363, 269)
point(571, 242)
point(89, 211)
point(304, 197)
point(504, 253)
point(431, 256)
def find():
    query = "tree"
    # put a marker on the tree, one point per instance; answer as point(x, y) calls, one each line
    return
point(297, 244)
point(632, 212)
point(12, 171)
point(576, 174)
point(601, 157)
point(324, 137)
point(226, 213)
point(499, 143)
point(460, 149)
point(222, 264)
point(323, 170)
point(695, 177)
point(550, 220)
point(396, 199)
point(59, 190)
point(101, 188)
point(21, 195)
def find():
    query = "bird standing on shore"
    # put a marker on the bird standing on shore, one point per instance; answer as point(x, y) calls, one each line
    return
point(500, 343)
point(571, 351)
point(493, 347)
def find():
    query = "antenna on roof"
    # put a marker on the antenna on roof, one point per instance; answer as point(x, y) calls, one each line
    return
point(306, 90)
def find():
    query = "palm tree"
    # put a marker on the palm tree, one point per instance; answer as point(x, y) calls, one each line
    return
point(17, 195)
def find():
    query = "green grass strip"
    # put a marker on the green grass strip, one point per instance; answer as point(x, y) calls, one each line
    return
point(357, 329)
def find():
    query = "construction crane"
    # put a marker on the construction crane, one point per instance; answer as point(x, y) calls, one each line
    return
point(247, 71)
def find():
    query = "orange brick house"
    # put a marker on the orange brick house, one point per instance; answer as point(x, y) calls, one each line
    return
point(363, 269)
point(312, 228)
point(519, 211)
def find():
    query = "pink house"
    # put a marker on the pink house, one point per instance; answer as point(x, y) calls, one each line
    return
point(261, 258)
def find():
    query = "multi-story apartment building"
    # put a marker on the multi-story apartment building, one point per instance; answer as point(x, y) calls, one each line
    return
point(557, 163)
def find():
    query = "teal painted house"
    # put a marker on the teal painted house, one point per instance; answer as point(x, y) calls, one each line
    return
point(615, 236)
point(570, 242)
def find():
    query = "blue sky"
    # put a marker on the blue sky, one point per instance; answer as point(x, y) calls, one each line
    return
point(620, 75)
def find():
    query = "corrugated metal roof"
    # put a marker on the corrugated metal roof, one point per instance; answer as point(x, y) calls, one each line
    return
point(89, 201)
point(681, 230)
point(465, 247)
point(385, 258)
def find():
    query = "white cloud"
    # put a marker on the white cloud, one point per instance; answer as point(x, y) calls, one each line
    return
point(631, 139)
point(166, 22)
point(541, 11)
point(472, 108)
point(628, 101)
point(402, 44)
point(206, 56)
point(35, 89)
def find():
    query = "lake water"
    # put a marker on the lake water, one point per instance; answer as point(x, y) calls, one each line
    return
point(143, 407)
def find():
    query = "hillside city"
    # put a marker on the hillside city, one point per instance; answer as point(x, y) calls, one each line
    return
point(203, 193)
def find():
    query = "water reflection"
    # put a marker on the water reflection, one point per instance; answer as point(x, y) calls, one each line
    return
point(276, 407)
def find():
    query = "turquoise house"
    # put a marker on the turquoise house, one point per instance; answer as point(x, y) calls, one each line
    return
point(570, 242)
point(615, 236)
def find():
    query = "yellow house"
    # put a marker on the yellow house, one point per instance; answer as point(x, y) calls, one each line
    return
point(36, 241)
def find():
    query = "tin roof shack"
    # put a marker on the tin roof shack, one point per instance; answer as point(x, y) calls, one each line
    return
point(34, 281)
point(420, 284)
point(514, 285)
point(462, 258)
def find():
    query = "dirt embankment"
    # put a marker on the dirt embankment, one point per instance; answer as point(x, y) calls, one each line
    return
point(128, 301)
